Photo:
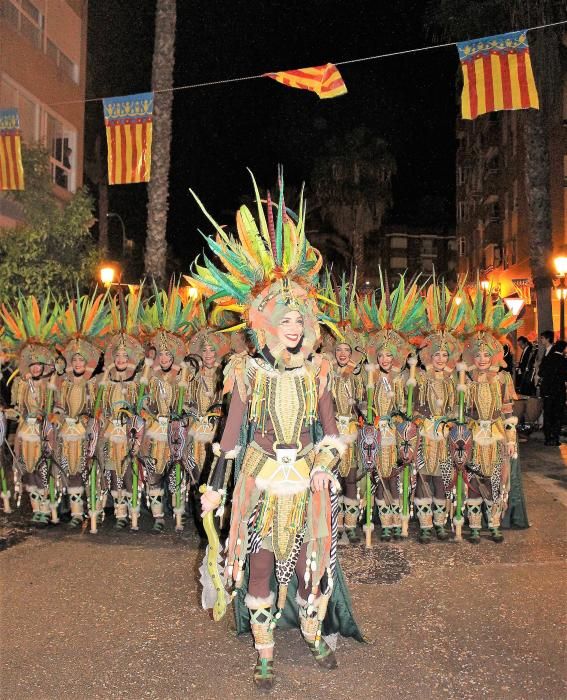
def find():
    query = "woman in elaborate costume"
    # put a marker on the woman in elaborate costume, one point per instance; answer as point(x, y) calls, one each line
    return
point(81, 327)
point(435, 406)
point(28, 331)
point(490, 396)
point(165, 321)
point(120, 394)
point(389, 323)
point(348, 388)
point(206, 390)
point(285, 500)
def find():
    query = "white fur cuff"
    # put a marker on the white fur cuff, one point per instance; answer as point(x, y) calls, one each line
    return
point(255, 603)
point(461, 387)
point(148, 362)
point(412, 361)
point(233, 454)
point(332, 441)
point(461, 367)
point(412, 381)
point(511, 422)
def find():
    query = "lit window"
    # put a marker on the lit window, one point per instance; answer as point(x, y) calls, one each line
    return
point(61, 143)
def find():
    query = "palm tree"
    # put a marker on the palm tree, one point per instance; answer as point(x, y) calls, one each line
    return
point(453, 18)
point(158, 187)
point(352, 183)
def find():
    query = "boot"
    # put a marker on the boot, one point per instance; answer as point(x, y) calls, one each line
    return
point(474, 515)
point(311, 630)
point(40, 506)
point(385, 521)
point(352, 512)
point(134, 513)
point(120, 510)
point(261, 623)
point(425, 517)
point(440, 518)
point(396, 511)
point(77, 507)
point(156, 506)
point(494, 513)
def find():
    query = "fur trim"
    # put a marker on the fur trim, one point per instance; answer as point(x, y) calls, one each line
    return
point(255, 603)
point(333, 441)
point(350, 501)
point(461, 387)
point(304, 603)
point(75, 490)
point(461, 367)
point(412, 361)
point(412, 381)
point(148, 362)
point(216, 449)
point(511, 421)
point(233, 454)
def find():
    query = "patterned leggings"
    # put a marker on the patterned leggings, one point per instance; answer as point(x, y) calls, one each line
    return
point(261, 567)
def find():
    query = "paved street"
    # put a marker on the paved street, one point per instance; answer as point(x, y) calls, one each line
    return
point(118, 616)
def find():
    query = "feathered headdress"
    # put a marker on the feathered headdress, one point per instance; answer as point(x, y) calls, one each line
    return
point(124, 327)
point(29, 330)
point(270, 269)
point(487, 323)
point(203, 332)
point(166, 321)
point(81, 328)
point(444, 312)
point(343, 315)
point(393, 321)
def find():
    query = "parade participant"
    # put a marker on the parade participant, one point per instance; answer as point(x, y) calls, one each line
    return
point(206, 393)
point(435, 404)
point(490, 397)
point(121, 391)
point(387, 324)
point(81, 328)
point(552, 375)
point(348, 388)
point(165, 321)
point(285, 500)
point(28, 327)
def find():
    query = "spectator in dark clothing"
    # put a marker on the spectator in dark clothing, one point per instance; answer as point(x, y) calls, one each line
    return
point(552, 374)
point(525, 369)
point(508, 359)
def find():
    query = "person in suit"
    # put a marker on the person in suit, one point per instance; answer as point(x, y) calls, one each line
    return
point(552, 374)
point(525, 369)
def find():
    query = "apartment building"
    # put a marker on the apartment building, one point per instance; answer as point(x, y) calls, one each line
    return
point(42, 73)
point(492, 213)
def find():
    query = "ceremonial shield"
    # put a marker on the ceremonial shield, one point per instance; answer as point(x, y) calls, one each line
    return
point(460, 445)
point(407, 435)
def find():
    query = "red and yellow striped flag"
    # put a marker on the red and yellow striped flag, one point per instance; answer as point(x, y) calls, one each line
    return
point(326, 80)
point(128, 123)
point(497, 74)
point(11, 168)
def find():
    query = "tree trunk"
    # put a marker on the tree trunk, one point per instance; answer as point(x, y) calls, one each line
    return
point(545, 59)
point(158, 187)
point(102, 182)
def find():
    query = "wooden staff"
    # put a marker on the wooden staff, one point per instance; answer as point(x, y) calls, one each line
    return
point(412, 362)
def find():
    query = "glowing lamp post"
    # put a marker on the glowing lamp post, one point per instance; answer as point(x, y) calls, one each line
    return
point(560, 262)
point(514, 304)
point(107, 274)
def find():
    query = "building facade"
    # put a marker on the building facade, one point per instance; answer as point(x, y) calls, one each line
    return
point(42, 73)
point(492, 213)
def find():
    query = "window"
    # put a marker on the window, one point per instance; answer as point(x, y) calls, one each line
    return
point(461, 246)
point(13, 96)
point(565, 100)
point(461, 211)
point(61, 144)
point(399, 263)
point(24, 16)
point(399, 242)
point(427, 246)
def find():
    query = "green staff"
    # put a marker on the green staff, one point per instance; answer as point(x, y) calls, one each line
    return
point(93, 496)
point(460, 485)
point(412, 361)
point(180, 402)
point(369, 418)
point(52, 492)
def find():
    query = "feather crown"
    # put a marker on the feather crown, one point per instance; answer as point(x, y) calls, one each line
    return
point(343, 317)
point(486, 324)
point(29, 330)
point(124, 327)
point(444, 313)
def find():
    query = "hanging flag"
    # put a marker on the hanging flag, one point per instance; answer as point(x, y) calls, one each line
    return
point(497, 73)
point(326, 80)
point(11, 168)
point(128, 123)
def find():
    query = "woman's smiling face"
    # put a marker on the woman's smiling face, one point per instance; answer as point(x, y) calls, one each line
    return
point(290, 329)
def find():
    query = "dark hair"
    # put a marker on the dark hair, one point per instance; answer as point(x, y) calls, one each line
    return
point(560, 346)
point(548, 335)
point(523, 339)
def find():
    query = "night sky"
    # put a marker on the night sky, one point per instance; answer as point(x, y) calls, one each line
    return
point(219, 130)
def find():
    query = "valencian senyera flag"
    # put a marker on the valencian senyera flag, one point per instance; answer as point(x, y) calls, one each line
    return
point(497, 74)
point(128, 122)
point(11, 168)
point(325, 81)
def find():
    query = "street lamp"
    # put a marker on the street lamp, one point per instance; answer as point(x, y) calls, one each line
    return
point(560, 262)
point(514, 304)
point(108, 273)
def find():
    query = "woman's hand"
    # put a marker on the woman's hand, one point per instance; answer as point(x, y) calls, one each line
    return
point(511, 447)
point(209, 501)
point(321, 481)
